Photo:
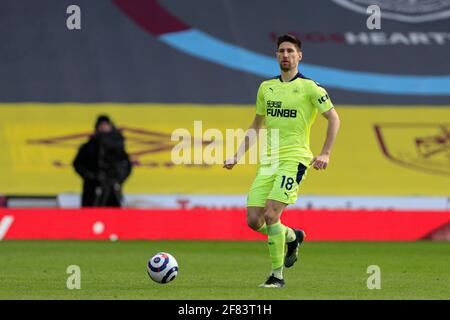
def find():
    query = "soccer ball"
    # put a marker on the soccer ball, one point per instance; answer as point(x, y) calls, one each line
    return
point(162, 267)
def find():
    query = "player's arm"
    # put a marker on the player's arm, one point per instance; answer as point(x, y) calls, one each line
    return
point(321, 161)
point(249, 140)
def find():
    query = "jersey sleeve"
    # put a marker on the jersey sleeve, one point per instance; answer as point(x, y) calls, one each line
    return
point(320, 99)
point(260, 104)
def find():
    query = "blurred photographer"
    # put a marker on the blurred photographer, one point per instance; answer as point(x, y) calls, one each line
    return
point(104, 165)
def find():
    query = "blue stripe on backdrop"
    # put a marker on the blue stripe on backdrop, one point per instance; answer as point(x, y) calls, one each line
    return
point(204, 46)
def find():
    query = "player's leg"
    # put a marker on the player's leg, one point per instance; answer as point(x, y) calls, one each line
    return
point(255, 219)
point(276, 235)
point(284, 192)
point(299, 235)
point(258, 209)
point(256, 201)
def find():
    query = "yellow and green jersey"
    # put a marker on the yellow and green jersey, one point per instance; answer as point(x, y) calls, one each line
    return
point(291, 107)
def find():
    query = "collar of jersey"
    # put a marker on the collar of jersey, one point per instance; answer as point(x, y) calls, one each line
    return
point(298, 75)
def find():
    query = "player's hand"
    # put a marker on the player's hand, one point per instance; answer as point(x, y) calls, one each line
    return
point(230, 163)
point(320, 162)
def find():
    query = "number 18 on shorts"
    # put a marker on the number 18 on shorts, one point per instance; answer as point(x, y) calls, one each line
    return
point(282, 185)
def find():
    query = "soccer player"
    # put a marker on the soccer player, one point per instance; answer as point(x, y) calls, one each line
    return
point(288, 103)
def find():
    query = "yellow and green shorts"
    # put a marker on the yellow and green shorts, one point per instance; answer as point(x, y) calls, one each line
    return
point(279, 183)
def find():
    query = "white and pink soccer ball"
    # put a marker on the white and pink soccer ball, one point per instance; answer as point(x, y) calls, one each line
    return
point(162, 267)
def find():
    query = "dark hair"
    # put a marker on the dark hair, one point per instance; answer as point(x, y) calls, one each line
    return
point(103, 118)
point(289, 38)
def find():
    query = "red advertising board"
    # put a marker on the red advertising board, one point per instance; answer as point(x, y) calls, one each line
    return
point(208, 224)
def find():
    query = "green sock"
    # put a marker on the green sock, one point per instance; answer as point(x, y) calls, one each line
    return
point(290, 235)
point(263, 229)
point(276, 242)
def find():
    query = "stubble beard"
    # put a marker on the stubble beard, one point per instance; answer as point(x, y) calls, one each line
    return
point(286, 69)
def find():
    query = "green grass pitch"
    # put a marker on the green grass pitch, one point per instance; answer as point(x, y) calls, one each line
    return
point(223, 270)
